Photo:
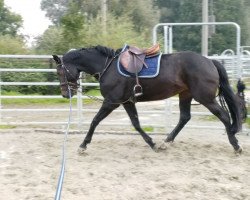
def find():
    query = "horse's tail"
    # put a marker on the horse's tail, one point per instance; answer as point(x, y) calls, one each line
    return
point(226, 94)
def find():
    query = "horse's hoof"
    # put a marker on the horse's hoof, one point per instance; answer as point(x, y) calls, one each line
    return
point(162, 146)
point(81, 150)
point(238, 151)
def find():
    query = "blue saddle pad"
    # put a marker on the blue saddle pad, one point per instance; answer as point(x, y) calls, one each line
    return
point(152, 71)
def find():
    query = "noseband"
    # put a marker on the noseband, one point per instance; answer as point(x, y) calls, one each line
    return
point(63, 71)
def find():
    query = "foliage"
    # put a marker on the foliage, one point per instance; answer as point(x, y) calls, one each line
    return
point(137, 10)
point(9, 22)
point(142, 13)
point(225, 37)
point(81, 24)
point(29, 76)
point(69, 35)
point(51, 42)
point(189, 38)
point(120, 31)
point(27, 101)
point(73, 25)
point(12, 45)
point(54, 9)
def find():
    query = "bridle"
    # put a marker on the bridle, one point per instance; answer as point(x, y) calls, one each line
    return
point(63, 71)
point(75, 85)
point(107, 64)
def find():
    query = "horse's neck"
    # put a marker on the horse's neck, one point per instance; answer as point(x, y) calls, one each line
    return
point(95, 66)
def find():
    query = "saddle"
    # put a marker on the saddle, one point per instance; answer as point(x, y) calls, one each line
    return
point(132, 59)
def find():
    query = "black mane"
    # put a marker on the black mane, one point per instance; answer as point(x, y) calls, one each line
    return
point(75, 54)
point(71, 55)
point(105, 50)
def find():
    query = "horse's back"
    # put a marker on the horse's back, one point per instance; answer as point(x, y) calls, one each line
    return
point(191, 72)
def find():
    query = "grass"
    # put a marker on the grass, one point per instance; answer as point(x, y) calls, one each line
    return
point(248, 119)
point(94, 93)
point(209, 118)
point(248, 122)
point(27, 101)
point(149, 129)
point(7, 126)
point(35, 101)
point(214, 118)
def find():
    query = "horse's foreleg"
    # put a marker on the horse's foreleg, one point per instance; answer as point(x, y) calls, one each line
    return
point(104, 111)
point(184, 105)
point(132, 113)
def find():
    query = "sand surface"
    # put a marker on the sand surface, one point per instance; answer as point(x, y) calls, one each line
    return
point(198, 165)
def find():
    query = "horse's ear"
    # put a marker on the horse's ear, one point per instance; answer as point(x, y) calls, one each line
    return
point(57, 59)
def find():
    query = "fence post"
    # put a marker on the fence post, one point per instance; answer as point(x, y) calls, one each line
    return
point(79, 105)
point(0, 99)
point(168, 114)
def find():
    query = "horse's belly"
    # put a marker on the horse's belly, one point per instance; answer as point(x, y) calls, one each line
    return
point(159, 93)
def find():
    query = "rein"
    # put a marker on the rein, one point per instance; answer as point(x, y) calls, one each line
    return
point(106, 66)
point(66, 83)
point(74, 86)
point(64, 148)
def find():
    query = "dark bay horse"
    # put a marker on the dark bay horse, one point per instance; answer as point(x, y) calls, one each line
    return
point(187, 74)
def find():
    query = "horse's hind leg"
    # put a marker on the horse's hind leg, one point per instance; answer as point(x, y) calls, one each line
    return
point(104, 111)
point(132, 113)
point(223, 115)
point(185, 99)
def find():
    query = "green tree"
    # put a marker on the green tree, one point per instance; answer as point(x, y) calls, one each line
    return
point(12, 45)
point(9, 22)
point(225, 37)
point(77, 30)
point(189, 38)
point(55, 9)
point(142, 13)
point(51, 42)
point(246, 4)
point(73, 25)
point(120, 30)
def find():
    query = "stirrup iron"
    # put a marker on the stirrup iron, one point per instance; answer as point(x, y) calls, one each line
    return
point(138, 90)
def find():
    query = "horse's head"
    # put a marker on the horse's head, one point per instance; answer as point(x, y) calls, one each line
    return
point(68, 77)
point(89, 60)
